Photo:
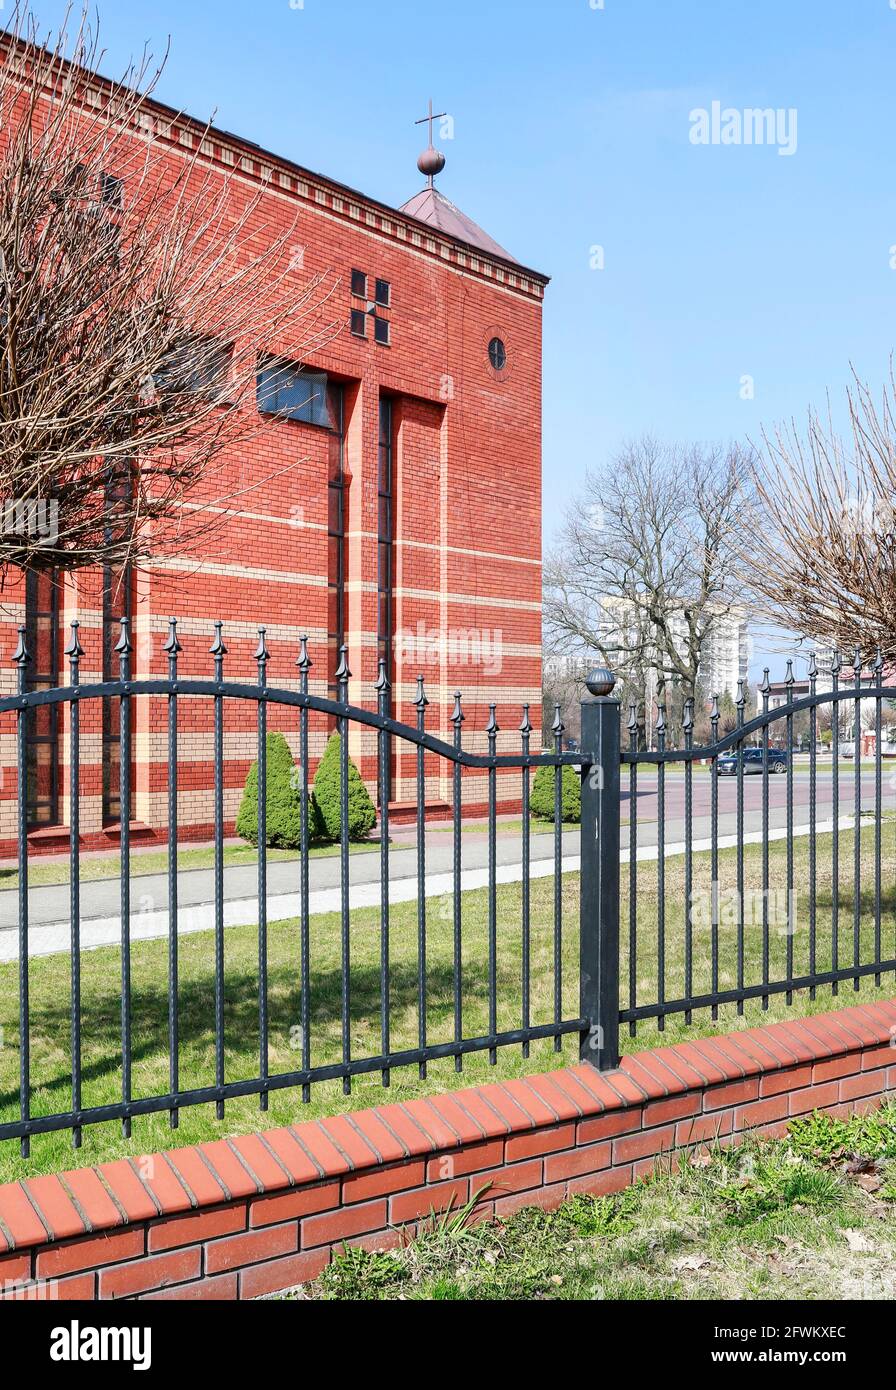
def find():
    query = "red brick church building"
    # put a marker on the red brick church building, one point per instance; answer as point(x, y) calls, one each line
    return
point(393, 503)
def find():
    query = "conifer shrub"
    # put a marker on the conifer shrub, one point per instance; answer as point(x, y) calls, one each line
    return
point(283, 801)
point(361, 810)
point(541, 799)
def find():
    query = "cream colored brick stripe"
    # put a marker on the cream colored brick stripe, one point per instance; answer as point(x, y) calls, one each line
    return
point(299, 524)
point(366, 586)
point(184, 565)
point(268, 576)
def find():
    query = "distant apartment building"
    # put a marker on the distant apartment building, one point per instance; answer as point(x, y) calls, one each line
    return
point(724, 656)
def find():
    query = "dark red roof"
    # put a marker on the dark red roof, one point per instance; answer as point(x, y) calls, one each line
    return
point(433, 208)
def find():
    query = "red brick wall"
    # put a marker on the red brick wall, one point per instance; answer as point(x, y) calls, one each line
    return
point(242, 1217)
point(468, 546)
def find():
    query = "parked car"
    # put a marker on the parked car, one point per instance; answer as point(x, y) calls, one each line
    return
point(777, 761)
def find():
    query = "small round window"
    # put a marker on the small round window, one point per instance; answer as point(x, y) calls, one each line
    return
point(497, 354)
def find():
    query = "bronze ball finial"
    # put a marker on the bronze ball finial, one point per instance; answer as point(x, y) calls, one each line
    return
point(431, 162)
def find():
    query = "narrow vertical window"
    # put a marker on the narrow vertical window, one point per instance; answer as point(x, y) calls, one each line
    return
point(111, 191)
point(118, 586)
point(336, 558)
point(42, 723)
point(386, 550)
point(117, 604)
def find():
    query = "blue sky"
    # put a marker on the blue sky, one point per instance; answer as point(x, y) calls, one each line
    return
point(572, 131)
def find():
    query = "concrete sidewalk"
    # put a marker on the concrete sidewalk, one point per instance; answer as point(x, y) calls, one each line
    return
point(49, 923)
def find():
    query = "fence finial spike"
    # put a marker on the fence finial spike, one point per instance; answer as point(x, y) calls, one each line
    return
point(714, 711)
point(857, 664)
point(525, 723)
point(741, 696)
point(878, 662)
point(632, 715)
point(124, 646)
point(217, 648)
point(457, 714)
point(382, 683)
point(491, 727)
point(836, 662)
point(557, 727)
point(660, 719)
point(261, 653)
point(172, 644)
point(304, 661)
point(813, 667)
point(789, 677)
point(21, 656)
point(765, 687)
point(687, 722)
point(342, 673)
point(74, 651)
point(420, 699)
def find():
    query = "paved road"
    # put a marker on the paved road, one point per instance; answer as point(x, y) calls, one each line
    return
point(702, 792)
point(100, 899)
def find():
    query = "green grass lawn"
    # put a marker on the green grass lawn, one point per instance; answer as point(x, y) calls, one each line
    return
point(812, 1216)
point(50, 1036)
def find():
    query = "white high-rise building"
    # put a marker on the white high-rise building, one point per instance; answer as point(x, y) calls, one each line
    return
point(724, 659)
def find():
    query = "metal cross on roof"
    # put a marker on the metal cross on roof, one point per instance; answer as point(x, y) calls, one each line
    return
point(428, 120)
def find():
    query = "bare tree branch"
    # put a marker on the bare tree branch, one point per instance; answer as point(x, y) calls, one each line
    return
point(821, 557)
point(139, 285)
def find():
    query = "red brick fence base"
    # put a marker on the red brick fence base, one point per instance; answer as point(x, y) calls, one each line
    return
point(246, 1216)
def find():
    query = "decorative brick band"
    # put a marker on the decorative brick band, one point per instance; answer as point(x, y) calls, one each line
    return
point(242, 1217)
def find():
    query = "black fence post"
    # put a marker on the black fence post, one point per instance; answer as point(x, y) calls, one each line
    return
point(599, 894)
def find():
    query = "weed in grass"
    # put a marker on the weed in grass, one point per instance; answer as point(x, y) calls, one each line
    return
point(445, 1291)
point(753, 1182)
point(827, 1138)
point(600, 1216)
point(491, 1262)
point(356, 1273)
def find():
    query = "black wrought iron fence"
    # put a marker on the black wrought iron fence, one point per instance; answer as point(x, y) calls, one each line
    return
point(827, 921)
point(690, 944)
point(223, 692)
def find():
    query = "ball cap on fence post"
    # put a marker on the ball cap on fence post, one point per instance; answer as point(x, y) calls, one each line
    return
point(600, 681)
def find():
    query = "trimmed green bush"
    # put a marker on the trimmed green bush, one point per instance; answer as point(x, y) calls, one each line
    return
point(361, 810)
point(541, 799)
point(283, 801)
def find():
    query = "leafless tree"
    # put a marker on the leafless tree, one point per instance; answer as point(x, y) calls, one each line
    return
point(138, 287)
point(821, 557)
point(563, 684)
point(643, 571)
